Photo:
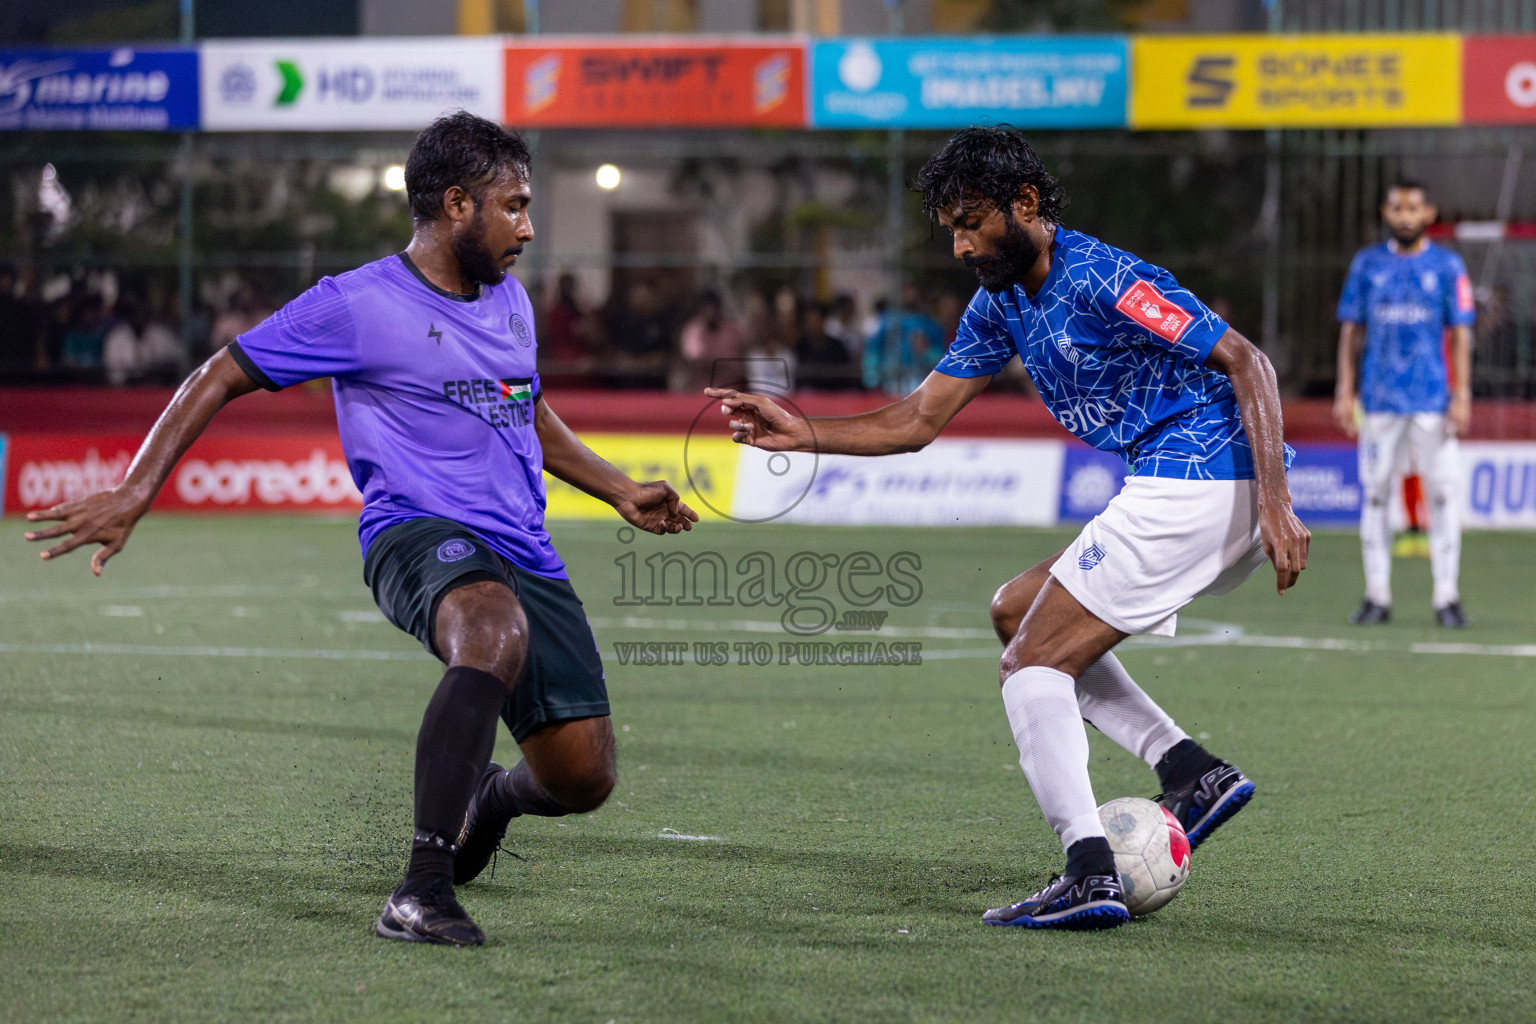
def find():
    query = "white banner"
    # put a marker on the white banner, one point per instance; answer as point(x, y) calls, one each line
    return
point(1499, 484)
point(949, 483)
point(313, 84)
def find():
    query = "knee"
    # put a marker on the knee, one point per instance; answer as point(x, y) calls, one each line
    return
point(1005, 616)
point(584, 791)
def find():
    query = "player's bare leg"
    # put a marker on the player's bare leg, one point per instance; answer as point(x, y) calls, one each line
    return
point(482, 635)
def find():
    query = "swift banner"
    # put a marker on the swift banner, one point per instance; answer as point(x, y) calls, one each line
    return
point(602, 83)
point(1498, 79)
point(103, 90)
point(1295, 81)
point(311, 85)
point(1057, 82)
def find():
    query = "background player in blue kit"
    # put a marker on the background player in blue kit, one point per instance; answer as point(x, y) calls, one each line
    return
point(1132, 363)
point(432, 357)
point(1398, 301)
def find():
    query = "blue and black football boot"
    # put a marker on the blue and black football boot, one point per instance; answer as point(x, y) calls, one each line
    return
point(1074, 904)
point(1206, 803)
point(429, 915)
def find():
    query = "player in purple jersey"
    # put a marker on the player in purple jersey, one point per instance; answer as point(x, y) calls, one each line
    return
point(432, 360)
point(1134, 364)
point(1400, 298)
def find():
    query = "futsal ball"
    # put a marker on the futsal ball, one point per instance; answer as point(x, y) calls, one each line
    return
point(1151, 851)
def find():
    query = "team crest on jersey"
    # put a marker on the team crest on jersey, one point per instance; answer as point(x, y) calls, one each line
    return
point(1429, 281)
point(1090, 558)
point(454, 550)
point(520, 332)
point(1152, 310)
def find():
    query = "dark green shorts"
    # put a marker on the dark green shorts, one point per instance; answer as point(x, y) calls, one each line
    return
point(412, 566)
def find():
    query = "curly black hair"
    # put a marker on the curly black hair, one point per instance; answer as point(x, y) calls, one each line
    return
point(459, 149)
point(986, 166)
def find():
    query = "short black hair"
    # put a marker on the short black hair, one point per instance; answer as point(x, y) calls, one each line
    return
point(986, 166)
point(459, 149)
point(1410, 185)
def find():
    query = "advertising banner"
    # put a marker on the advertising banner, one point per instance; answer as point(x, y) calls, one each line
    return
point(948, 82)
point(1325, 483)
point(126, 89)
point(1500, 486)
point(949, 483)
point(1278, 81)
point(1498, 79)
point(313, 84)
point(265, 474)
point(703, 471)
point(1089, 479)
point(645, 83)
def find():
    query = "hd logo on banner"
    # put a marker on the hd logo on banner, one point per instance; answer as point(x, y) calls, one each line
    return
point(347, 83)
point(1057, 82)
point(634, 84)
point(98, 90)
point(1295, 81)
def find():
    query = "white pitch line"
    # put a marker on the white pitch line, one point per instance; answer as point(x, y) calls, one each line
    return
point(696, 839)
point(153, 650)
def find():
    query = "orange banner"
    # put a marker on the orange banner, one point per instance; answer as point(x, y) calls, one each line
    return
point(651, 84)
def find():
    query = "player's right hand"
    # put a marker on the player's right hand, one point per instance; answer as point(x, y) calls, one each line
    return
point(757, 421)
point(1344, 415)
point(106, 518)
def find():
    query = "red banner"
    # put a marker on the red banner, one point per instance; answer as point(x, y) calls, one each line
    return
point(304, 473)
point(649, 84)
point(1498, 79)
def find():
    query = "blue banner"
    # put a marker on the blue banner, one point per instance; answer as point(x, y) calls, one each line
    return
point(1325, 483)
point(1089, 479)
point(124, 89)
point(952, 82)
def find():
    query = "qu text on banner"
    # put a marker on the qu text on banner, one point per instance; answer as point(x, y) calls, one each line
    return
point(949, 82)
point(122, 89)
point(639, 83)
point(1295, 81)
point(315, 84)
point(1498, 79)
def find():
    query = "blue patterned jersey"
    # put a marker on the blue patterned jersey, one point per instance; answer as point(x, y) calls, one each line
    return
point(1117, 349)
point(1406, 302)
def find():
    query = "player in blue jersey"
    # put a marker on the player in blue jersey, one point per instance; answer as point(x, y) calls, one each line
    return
point(1399, 299)
point(1132, 363)
point(432, 359)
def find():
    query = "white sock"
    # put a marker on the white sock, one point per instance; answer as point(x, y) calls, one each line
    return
point(1444, 545)
point(1112, 702)
point(1053, 749)
point(1376, 549)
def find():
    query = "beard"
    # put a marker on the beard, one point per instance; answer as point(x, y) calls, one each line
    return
point(1016, 253)
point(1409, 237)
point(477, 263)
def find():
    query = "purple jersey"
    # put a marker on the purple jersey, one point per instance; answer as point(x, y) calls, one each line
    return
point(434, 398)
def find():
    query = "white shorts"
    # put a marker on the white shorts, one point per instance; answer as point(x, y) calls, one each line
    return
point(1160, 544)
point(1393, 444)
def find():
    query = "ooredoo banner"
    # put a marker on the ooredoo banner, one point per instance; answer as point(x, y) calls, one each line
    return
point(275, 474)
point(1498, 79)
point(314, 84)
point(121, 89)
point(644, 83)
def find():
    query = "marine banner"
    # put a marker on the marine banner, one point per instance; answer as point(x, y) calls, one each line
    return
point(630, 83)
point(1295, 81)
point(319, 84)
point(943, 82)
point(1498, 79)
point(121, 89)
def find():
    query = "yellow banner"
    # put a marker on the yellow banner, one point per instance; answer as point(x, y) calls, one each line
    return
point(711, 460)
point(1295, 81)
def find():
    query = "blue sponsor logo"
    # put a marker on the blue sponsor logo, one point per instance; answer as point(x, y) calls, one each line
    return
point(124, 89)
point(951, 82)
point(1503, 488)
point(1090, 558)
point(454, 550)
point(1325, 484)
point(1089, 480)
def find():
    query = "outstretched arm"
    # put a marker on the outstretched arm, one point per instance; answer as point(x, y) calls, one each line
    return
point(1258, 398)
point(652, 506)
point(904, 426)
point(108, 517)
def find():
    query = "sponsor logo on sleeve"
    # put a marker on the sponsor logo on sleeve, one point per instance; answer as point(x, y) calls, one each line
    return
point(1464, 294)
point(1146, 306)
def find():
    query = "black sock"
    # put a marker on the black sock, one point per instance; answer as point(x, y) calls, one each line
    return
point(1090, 856)
point(520, 792)
point(458, 733)
point(1185, 762)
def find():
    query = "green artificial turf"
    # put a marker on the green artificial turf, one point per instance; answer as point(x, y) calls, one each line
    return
point(198, 823)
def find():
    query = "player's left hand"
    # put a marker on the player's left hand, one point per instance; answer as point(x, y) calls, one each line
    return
point(1459, 415)
point(1286, 542)
point(656, 508)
